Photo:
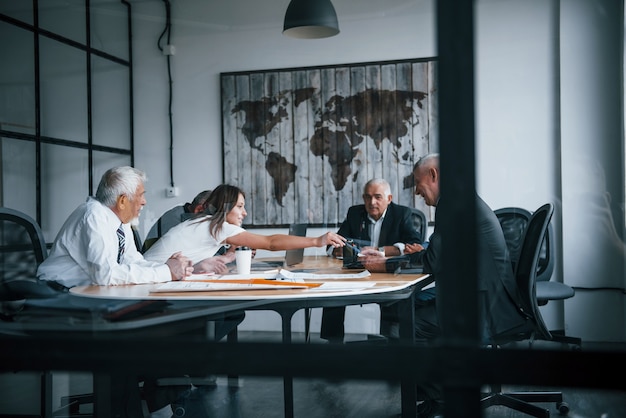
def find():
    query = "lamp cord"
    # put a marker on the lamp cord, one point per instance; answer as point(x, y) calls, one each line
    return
point(168, 30)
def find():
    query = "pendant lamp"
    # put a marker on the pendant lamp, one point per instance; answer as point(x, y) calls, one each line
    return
point(310, 19)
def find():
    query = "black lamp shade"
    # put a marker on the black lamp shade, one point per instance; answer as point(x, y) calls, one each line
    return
point(310, 19)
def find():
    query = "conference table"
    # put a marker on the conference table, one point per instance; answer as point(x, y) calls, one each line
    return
point(316, 282)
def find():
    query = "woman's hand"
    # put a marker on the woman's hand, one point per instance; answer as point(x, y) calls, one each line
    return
point(331, 238)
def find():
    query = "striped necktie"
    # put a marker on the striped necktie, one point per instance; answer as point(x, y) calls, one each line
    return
point(121, 238)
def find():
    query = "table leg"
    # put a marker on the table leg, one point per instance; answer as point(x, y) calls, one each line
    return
point(286, 316)
point(406, 314)
point(307, 325)
point(116, 396)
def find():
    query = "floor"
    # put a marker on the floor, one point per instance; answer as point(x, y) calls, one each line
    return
point(262, 398)
point(254, 397)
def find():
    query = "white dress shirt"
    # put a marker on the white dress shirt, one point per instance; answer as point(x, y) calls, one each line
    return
point(376, 227)
point(85, 252)
point(193, 238)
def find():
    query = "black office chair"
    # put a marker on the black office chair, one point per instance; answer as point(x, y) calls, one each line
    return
point(513, 221)
point(22, 249)
point(534, 328)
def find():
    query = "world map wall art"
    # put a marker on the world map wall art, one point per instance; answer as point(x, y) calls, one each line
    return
point(302, 142)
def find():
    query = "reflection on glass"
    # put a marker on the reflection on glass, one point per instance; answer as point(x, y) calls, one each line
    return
point(17, 90)
point(18, 160)
point(63, 91)
point(64, 185)
point(109, 28)
point(110, 104)
point(66, 18)
point(20, 10)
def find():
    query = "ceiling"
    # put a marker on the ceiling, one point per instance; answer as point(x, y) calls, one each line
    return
point(256, 14)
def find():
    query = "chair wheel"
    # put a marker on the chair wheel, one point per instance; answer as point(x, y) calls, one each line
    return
point(178, 411)
point(562, 407)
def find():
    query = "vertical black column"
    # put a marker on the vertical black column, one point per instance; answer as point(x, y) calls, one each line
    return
point(458, 281)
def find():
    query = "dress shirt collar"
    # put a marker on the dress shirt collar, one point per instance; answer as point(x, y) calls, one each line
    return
point(373, 221)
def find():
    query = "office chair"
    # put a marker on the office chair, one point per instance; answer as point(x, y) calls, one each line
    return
point(534, 329)
point(22, 249)
point(513, 221)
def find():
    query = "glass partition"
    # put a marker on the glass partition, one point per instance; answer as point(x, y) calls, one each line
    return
point(19, 176)
point(63, 91)
point(111, 125)
point(109, 28)
point(17, 89)
point(64, 18)
point(20, 10)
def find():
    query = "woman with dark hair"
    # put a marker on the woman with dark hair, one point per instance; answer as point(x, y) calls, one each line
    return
point(201, 237)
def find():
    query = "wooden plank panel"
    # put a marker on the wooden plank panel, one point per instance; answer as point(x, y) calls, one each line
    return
point(272, 162)
point(345, 137)
point(308, 139)
point(421, 127)
point(258, 192)
point(302, 121)
point(316, 157)
point(331, 170)
point(404, 122)
point(359, 162)
point(229, 130)
point(389, 144)
point(288, 167)
point(373, 131)
point(243, 177)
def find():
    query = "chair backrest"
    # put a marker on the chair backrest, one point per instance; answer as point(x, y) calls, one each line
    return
point(22, 248)
point(526, 270)
point(514, 221)
point(419, 220)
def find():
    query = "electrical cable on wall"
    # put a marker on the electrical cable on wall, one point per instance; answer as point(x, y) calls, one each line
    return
point(168, 51)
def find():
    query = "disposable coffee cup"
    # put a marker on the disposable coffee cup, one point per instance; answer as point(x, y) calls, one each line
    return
point(243, 258)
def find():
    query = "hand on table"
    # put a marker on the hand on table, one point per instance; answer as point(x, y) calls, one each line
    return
point(216, 264)
point(373, 260)
point(180, 266)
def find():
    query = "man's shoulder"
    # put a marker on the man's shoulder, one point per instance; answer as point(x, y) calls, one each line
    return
point(88, 209)
point(356, 209)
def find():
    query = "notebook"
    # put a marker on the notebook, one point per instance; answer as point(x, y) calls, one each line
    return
point(291, 256)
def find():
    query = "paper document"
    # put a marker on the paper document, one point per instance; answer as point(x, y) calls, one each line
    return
point(265, 276)
point(233, 284)
point(288, 275)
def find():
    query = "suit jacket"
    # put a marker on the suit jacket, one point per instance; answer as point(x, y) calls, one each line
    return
point(398, 225)
point(500, 301)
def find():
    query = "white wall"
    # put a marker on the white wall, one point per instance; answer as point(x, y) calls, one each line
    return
point(518, 100)
point(202, 54)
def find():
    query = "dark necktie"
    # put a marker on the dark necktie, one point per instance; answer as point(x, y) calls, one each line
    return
point(121, 238)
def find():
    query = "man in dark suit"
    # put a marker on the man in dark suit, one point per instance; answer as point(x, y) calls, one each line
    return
point(500, 300)
point(387, 226)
